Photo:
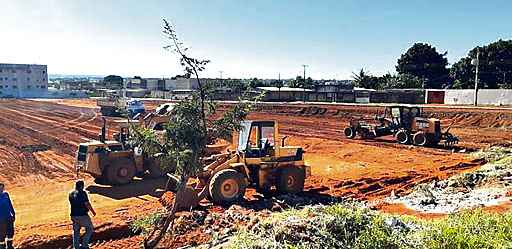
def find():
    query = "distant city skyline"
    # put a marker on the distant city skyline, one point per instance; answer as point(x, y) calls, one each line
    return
point(243, 39)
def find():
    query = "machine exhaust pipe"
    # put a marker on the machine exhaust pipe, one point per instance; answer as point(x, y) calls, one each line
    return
point(103, 130)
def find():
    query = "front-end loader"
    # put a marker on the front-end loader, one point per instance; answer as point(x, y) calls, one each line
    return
point(115, 161)
point(260, 161)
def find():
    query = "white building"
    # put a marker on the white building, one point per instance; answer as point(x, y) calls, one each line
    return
point(23, 80)
point(181, 84)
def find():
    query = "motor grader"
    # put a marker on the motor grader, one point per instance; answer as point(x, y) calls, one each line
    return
point(260, 161)
point(405, 123)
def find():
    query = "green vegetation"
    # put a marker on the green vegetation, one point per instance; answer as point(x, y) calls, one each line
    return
point(469, 229)
point(146, 223)
point(388, 81)
point(341, 226)
point(423, 61)
point(113, 82)
point(421, 66)
point(495, 67)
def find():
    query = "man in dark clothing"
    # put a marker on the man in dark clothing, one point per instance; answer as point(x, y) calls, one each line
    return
point(7, 217)
point(80, 206)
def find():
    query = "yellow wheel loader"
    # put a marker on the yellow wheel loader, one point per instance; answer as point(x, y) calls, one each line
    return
point(260, 161)
point(114, 161)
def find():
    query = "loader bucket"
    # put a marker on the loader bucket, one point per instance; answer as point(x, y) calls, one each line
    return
point(189, 198)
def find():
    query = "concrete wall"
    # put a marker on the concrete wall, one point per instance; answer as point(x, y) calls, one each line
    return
point(459, 97)
point(495, 97)
point(485, 97)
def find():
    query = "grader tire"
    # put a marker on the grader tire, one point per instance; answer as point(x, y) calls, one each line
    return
point(420, 139)
point(291, 180)
point(402, 137)
point(349, 132)
point(227, 186)
point(121, 172)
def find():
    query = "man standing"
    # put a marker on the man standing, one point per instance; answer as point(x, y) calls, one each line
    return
point(7, 217)
point(80, 206)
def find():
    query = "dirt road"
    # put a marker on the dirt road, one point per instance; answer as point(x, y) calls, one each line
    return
point(38, 142)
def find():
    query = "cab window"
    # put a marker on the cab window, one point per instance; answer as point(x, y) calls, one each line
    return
point(253, 138)
point(395, 112)
point(267, 134)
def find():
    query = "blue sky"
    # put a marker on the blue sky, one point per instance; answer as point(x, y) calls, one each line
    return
point(243, 38)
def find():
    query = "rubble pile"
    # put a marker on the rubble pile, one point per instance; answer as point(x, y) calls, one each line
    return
point(486, 186)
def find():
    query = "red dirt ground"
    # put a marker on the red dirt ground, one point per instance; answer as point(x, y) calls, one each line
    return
point(38, 141)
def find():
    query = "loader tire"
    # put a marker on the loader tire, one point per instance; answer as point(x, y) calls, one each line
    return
point(121, 172)
point(350, 132)
point(402, 137)
point(291, 180)
point(155, 171)
point(420, 139)
point(227, 186)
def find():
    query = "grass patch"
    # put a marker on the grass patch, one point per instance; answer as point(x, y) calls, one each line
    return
point(469, 229)
point(339, 226)
point(144, 224)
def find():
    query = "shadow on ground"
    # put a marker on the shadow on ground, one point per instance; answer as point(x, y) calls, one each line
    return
point(137, 188)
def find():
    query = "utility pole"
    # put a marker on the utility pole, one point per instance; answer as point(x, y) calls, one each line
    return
point(279, 88)
point(220, 83)
point(477, 63)
point(304, 86)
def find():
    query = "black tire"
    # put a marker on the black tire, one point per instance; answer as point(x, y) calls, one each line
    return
point(291, 180)
point(420, 139)
point(402, 137)
point(155, 171)
point(349, 132)
point(153, 167)
point(107, 111)
point(121, 172)
point(227, 186)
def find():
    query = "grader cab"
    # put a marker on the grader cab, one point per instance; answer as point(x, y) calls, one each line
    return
point(260, 161)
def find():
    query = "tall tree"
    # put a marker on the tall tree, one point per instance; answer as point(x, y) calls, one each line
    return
point(365, 80)
point(423, 61)
point(255, 82)
point(279, 84)
point(401, 81)
point(297, 82)
point(495, 67)
point(113, 82)
point(190, 129)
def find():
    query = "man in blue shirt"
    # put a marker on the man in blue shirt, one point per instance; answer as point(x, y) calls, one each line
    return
point(7, 217)
point(80, 207)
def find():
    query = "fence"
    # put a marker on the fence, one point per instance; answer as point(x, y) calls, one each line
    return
point(498, 97)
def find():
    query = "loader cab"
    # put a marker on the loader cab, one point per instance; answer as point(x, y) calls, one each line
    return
point(257, 139)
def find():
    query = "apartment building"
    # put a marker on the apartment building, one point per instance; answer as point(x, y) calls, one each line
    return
point(23, 80)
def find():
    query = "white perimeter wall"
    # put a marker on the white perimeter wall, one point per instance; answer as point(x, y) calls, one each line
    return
point(485, 97)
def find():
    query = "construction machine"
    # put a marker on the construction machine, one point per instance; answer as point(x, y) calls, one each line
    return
point(114, 105)
point(115, 161)
point(406, 123)
point(260, 161)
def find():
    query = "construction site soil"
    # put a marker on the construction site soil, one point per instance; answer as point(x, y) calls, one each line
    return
point(38, 141)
